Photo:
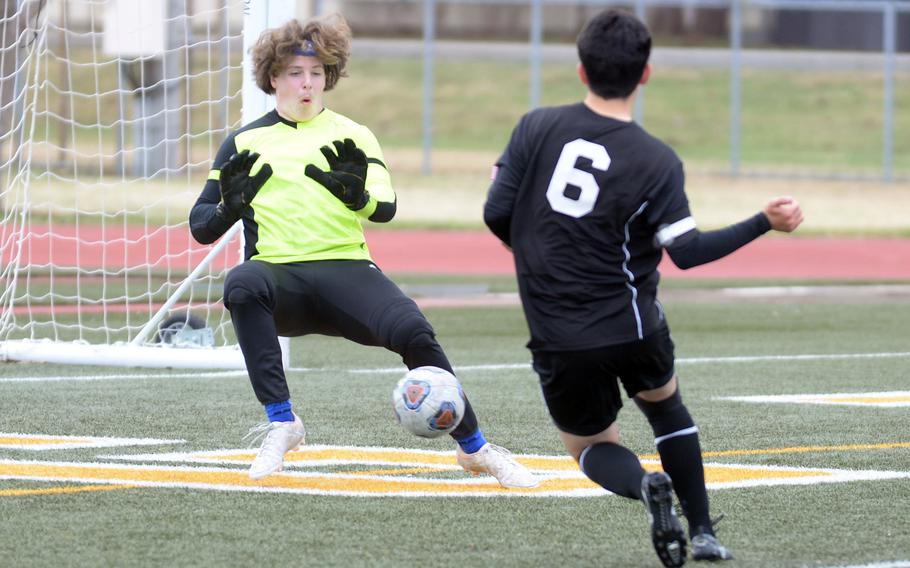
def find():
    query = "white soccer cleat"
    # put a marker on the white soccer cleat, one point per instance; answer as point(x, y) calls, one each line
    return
point(499, 463)
point(280, 438)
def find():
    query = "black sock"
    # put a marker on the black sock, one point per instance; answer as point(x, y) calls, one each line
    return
point(676, 438)
point(614, 468)
point(468, 424)
point(681, 458)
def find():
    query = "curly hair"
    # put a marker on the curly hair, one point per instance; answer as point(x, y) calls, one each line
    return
point(273, 51)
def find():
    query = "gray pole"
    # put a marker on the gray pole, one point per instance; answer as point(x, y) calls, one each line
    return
point(638, 113)
point(174, 81)
point(889, 24)
point(429, 33)
point(224, 87)
point(536, 40)
point(158, 129)
point(736, 45)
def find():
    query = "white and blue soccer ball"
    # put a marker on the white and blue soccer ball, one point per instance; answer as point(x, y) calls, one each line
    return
point(428, 402)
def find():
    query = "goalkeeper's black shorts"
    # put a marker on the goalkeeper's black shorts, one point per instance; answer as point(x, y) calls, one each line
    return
point(345, 298)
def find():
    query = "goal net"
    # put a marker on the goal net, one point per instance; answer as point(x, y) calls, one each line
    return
point(110, 114)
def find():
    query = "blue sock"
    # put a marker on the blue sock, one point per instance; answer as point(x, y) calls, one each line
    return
point(472, 442)
point(279, 411)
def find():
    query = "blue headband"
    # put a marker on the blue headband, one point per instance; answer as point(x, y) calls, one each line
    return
point(306, 49)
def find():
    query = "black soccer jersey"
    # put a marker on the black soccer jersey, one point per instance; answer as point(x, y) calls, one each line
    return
point(587, 202)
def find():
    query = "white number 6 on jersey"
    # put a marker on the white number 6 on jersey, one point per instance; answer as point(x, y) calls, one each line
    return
point(565, 174)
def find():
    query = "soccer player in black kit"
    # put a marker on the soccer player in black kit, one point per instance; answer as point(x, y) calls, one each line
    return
point(587, 200)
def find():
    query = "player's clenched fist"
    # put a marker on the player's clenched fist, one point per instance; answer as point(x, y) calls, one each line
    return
point(784, 214)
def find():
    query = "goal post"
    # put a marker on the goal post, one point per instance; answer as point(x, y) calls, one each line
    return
point(110, 114)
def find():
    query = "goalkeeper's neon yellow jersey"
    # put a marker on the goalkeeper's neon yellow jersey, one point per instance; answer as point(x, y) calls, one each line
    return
point(294, 218)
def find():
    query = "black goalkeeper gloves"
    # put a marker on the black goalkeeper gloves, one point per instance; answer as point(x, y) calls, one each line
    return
point(238, 188)
point(347, 174)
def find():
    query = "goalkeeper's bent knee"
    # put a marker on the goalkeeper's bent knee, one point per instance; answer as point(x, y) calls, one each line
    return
point(248, 283)
point(414, 332)
point(414, 339)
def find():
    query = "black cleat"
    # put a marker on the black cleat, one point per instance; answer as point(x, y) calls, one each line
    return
point(666, 532)
point(706, 547)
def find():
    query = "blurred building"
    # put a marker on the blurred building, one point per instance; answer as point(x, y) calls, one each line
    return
point(837, 30)
point(685, 25)
point(682, 25)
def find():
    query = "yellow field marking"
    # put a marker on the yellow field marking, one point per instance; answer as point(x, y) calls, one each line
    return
point(326, 455)
point(866, 399)
point(346, 482)
point(548, 466)
point(319, 455)
point(400, 471)
point(423, 461)
point(324, 470)
point(555, 483)
point(347, 455)
point(59, 490)
point(795, 450)
point(6, 440)
point(300, 482)
point(714, 474)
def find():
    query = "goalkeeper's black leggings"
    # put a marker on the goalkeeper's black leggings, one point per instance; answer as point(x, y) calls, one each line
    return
point(346, 298)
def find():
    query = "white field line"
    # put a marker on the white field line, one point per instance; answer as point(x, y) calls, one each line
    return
point(460, 368)
point(230, 479)
point(888, 399)
point(124, 376)
point(809, 357)
point(680, 361)
point(40, 442)
point(892, 564)
point(365, 455)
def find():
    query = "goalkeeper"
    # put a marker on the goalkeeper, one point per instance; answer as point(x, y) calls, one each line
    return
point(302, 179)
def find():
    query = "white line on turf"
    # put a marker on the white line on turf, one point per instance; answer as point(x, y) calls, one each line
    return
point(809, 357)
point(886, 399)
point(568, 483)
point(680, 361)
point(894, 564)
point(41, 442)
point(124, 376)
point(461, 368)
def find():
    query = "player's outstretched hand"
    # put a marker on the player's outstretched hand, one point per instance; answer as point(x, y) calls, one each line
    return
point(238, 188)
point(784, 214)
point(346, 178)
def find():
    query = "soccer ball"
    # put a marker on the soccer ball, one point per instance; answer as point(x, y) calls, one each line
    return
point(428, 402)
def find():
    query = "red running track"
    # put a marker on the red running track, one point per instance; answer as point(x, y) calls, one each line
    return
point(774, 258)
point(478, 253)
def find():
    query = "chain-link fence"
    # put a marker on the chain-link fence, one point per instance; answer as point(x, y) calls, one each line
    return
point(773, 87)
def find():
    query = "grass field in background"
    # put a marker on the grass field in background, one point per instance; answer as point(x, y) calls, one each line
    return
point(720, 347)
point(801, 127)
point(823, 120)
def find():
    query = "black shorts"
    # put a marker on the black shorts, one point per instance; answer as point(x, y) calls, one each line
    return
point(346, 298)
point(581, 388)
